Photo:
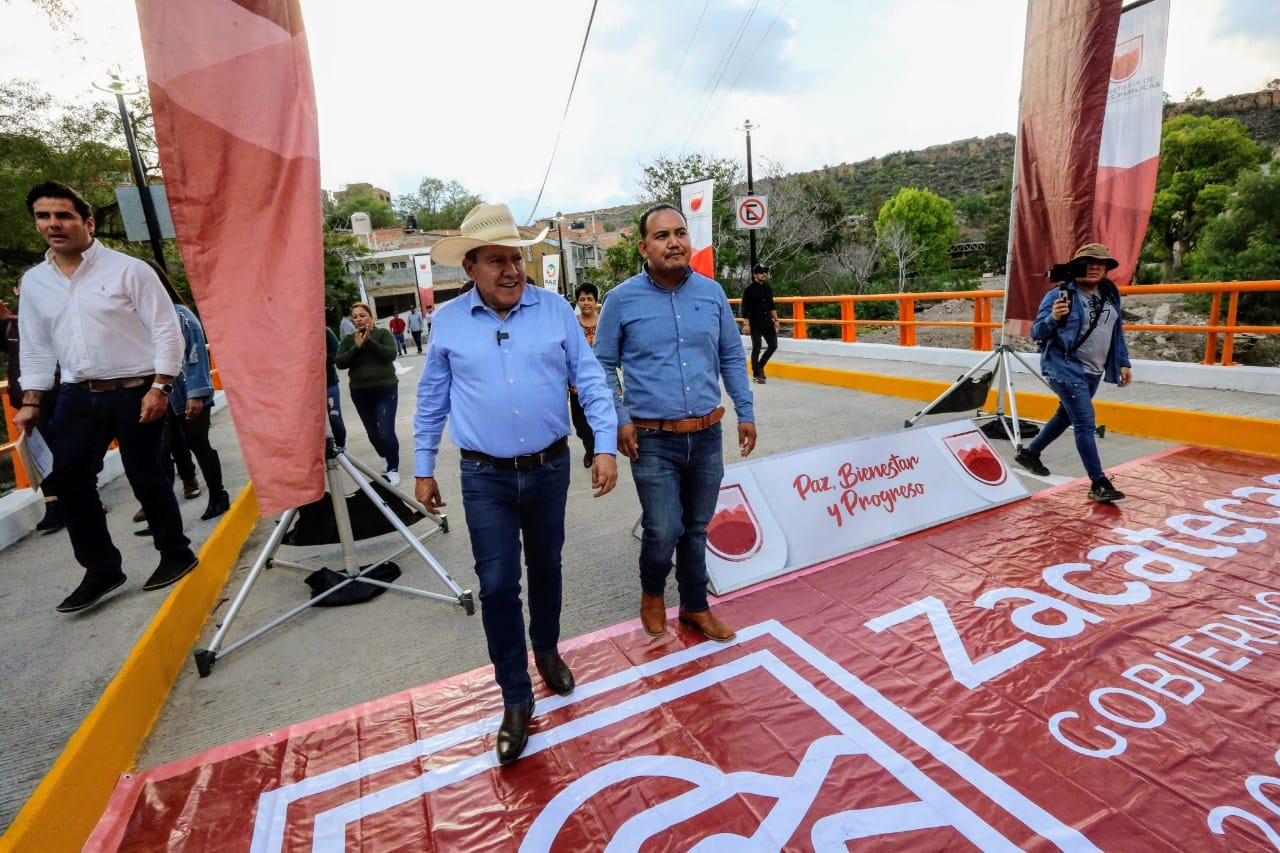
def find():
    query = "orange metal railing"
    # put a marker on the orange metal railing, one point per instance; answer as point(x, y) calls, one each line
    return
point(983, 323)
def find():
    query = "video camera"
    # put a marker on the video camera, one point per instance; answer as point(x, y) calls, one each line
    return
point(1069, 271)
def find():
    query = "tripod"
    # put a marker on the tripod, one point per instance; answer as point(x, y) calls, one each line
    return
point(1001, 373)
point(338, 462)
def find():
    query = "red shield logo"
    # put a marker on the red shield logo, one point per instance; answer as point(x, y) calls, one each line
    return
point(734, 533)
point(695, 202)
point(976, 457)
point(1128, 59)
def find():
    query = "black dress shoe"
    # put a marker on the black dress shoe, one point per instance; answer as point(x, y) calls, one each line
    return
point(91, 590)
point(171, 570)
point(555, 672)
point(52, 521)
point(513, 734)
point(219, 502)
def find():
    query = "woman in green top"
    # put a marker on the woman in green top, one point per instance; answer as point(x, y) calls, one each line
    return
point(368, 355)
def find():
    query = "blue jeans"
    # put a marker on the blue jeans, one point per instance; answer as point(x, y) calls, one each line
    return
point(502, 508)
point(1075, 408)
point(678, 482)
point(84, 423)
point(377, 409)
point(336, 426)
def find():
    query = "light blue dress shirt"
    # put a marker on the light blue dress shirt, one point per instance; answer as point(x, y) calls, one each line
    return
point(502, 384)
point(674, 347)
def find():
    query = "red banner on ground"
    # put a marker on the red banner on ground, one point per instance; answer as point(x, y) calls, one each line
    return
point(235, 120)
point(1051, 674)
point(1066, 68)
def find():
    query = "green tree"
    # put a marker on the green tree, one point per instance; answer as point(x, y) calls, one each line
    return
point(622, 260)
point(437, 204)
point(1243, 242)
point(1200, 157)
point(917, 227)
point(380, 212)
point(339, 288)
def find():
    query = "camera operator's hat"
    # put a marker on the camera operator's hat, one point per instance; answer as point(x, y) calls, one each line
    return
point(1096, 252)
point(759, 268)
point(484, 225)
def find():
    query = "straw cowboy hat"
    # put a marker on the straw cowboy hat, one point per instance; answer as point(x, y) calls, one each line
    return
point(1096, 252)
point(484, 225)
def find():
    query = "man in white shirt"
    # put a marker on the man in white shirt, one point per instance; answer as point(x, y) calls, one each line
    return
point(107, 321)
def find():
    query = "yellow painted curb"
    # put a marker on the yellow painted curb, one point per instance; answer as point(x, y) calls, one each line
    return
point(67, 804)
point(1206, 429)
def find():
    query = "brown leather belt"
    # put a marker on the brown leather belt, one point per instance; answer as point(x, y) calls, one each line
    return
point(683, 426)
point(521, 463)
point(97, 386)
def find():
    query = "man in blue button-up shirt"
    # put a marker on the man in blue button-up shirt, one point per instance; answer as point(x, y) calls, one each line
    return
point(498, 362)
point(673, 334)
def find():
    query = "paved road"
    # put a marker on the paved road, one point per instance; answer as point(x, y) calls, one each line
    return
point(55, 666)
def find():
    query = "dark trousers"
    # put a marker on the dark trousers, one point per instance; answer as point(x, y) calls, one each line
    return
point(580, 425)
point(336, 426)
point(769, 333)
point(505, 509)
point(84, 424)
point(187, 436)
point(417, 339)
point(376, 407)
point(401, 349)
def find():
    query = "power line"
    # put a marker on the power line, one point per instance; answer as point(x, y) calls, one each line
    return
point(718, 72)
point(568, 101)
point(708, 117)
point(675, 76)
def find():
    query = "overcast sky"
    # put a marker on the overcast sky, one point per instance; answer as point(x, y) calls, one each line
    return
point(475, 91)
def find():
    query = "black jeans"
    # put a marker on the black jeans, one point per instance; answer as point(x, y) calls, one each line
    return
point(84, 424)
point(187, 436)
point(769, 332)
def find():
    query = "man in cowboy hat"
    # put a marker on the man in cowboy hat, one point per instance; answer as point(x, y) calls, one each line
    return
point(673, 334)
point(1082, 337)
point(498, 361)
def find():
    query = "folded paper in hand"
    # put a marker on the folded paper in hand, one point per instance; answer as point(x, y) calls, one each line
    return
point(35, 455)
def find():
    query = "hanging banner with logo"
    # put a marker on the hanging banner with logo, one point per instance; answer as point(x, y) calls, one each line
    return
point(551, 272)
point(1130, 154)
point(426, 284)
point(234, 109)
point(785, 512)
point(1066, 68)
point(696, 201)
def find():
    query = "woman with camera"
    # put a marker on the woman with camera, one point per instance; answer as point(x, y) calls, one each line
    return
point(1081, 334)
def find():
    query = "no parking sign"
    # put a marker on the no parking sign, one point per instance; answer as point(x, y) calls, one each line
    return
point(751, 211)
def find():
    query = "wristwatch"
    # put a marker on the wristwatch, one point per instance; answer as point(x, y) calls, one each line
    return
point(165, 388)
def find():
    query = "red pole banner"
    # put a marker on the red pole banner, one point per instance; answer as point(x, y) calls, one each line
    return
point(1066, 68)
point(696, 203)
point(1130, 154)
point(235, 120)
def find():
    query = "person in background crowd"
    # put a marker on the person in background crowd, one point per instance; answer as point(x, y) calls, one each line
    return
point(345, 326)
point(415, 328)
point(588, 299)
point(105, 319)
point(332, 394)
point(496, 369)
point(52, 520)
point(368, 355)
point(673, 335)
point(397, 327)
point(759, 320)
point(1082, 337)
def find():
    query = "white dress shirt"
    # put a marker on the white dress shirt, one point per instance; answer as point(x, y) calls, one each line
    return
point(111, 320)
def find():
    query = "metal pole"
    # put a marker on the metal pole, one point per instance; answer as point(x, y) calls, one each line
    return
point(144, 191)
point(563, 282)
point(751, 190)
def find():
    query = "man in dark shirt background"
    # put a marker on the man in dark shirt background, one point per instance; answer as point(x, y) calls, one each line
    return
point(759, 320)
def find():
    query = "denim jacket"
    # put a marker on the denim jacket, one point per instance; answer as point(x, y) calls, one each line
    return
point(1058, 338)
point(195, 379)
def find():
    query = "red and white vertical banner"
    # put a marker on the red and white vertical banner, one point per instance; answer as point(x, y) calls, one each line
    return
point(696, 203)
point(1129, 157)
point(426, 282)
point(235, 119)
point(1066, 69)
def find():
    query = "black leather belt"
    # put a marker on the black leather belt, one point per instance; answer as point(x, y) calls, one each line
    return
point(521, 463)
point(97, 386)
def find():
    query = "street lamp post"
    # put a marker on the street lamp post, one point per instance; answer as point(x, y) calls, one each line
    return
point(563, 283)
point(119, 88)
point(751, 190)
